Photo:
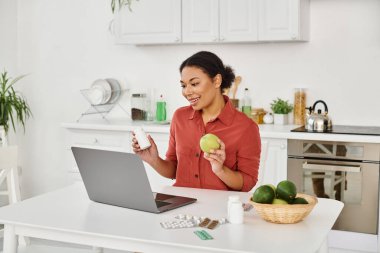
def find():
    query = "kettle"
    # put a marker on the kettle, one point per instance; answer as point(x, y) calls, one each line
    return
point(319, 121)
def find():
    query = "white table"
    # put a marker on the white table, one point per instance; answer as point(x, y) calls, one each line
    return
point(68, 215)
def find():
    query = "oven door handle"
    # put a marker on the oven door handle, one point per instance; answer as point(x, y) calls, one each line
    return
point(329, 167)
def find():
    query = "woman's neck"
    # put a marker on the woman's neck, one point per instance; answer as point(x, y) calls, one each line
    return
point(211, 112)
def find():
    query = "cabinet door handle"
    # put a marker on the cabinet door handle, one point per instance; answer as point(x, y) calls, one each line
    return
point(222, 38)
point(177, 39)
point(215, 39)
point(283, 146)
point(330, 167)
point(96, 140)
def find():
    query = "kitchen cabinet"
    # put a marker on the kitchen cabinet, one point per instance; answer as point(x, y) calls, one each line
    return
point(200, 21)
point(219, 21)
point(283, 20)
point(155, 179)
point(275, 169)
point(109, 137)
point(212, 21)
point(114, 141)
point(149, 22)
point(92, 138)
point(238, 20)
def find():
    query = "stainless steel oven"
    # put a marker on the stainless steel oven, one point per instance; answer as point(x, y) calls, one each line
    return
point(348, 172)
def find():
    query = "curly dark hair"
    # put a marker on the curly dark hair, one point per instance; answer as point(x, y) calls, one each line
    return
point(212, 65)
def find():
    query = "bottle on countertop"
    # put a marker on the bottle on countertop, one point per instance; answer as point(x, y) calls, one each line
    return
point(246, 107)
point(235, 212)
point(161, 109)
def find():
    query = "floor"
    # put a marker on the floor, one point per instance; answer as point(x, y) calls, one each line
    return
point(43, 246)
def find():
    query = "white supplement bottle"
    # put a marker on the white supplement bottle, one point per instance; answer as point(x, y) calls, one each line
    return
point(142, 138)
point(235, 210)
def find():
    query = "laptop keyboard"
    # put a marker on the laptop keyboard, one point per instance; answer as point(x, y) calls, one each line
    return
point(161, 203)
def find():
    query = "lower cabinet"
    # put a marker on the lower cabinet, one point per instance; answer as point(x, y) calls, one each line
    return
point(114, 141)
point(274, 152)
point(274, 168)
point(100, 139)
point(155, 179)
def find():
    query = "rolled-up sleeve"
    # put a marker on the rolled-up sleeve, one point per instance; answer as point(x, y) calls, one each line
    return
point(248, 157)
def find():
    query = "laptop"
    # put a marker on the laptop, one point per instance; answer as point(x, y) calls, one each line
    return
point(120, 179)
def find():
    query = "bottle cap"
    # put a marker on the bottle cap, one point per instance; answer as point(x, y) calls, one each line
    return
point(234, 198)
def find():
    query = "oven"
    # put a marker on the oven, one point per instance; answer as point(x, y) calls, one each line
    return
point(348, 172)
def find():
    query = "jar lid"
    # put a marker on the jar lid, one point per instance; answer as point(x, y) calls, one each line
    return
point(234, 197)
point(139, 95)
point(258, 111)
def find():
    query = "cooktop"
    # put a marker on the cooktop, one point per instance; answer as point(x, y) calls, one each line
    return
point(340, 129)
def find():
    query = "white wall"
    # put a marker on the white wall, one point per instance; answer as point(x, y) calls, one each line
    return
point(8, 37)
point(66, 45)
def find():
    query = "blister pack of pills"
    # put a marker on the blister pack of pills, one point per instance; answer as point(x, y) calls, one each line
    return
point(188, 221)
point(202, 234)
point(178, 224)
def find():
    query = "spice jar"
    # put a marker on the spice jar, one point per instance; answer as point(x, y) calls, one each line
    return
point(258, 115)
point(268, 118)
point(299, 106)
point(139, 106)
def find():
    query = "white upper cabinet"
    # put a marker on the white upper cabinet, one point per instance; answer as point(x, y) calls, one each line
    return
point(200, 21)
point(212, 21)
point(283, 20)
point(219, 21)
point(238, 20)
point(149, 22)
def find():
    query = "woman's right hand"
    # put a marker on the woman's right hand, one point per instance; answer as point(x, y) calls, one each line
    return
point(149, 155)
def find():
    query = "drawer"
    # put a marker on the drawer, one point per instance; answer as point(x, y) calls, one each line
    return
point(106, 140)
point(102, 139)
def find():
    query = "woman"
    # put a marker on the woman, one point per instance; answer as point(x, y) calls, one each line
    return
point(234, 166)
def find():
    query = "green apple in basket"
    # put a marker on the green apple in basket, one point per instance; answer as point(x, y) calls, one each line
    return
point(286, 190)
point(284, 193)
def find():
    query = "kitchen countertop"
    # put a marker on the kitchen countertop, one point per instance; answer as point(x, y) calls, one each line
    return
point(266, 131)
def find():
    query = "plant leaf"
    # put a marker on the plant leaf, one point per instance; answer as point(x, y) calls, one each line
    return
point(13, 107)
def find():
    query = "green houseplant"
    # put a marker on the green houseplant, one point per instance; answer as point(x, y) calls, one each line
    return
point(281, 108)
point(118, 4)
point(13, 106)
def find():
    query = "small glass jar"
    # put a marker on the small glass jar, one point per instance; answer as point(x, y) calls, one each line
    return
point(258, 115)
point(268, 118)
point(139, 106)
point(299, 106)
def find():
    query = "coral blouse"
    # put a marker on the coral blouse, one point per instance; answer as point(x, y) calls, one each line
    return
point(239, 134)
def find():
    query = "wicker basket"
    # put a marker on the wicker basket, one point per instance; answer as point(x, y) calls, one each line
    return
point(285, 214)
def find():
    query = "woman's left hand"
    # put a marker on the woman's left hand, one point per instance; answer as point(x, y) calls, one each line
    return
point(217, 157)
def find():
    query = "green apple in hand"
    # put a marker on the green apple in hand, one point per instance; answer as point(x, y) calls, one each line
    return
point(208, 142)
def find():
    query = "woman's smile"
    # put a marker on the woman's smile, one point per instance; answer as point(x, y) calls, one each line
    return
point(193, 101)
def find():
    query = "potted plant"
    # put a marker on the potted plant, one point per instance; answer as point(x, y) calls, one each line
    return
point(13, 107)
point(281, 109)
point(118, 4)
